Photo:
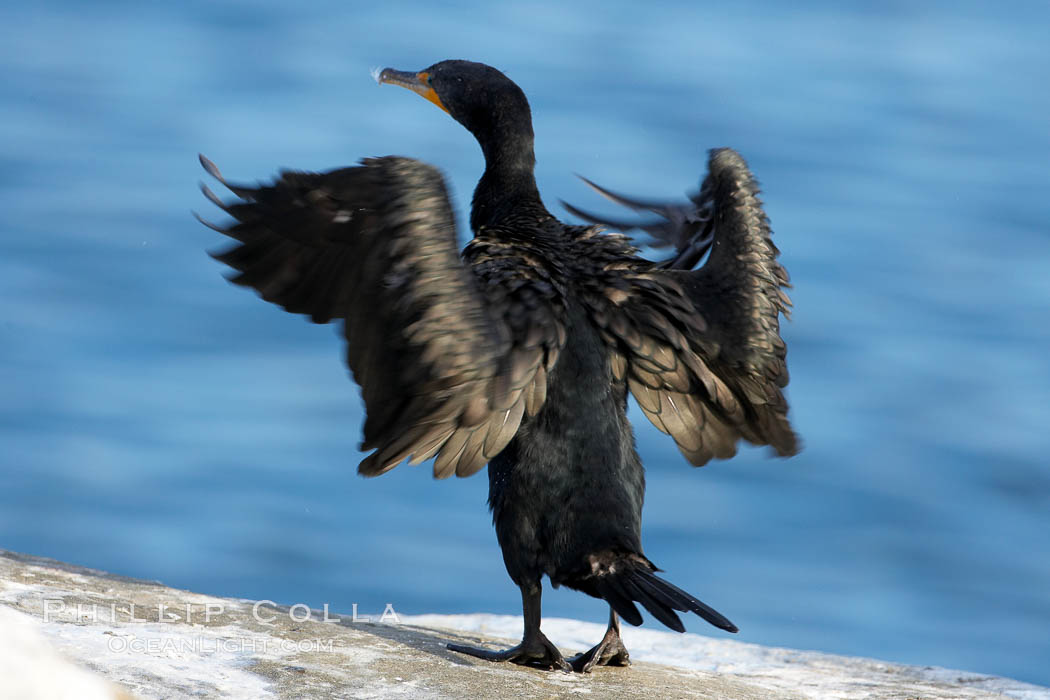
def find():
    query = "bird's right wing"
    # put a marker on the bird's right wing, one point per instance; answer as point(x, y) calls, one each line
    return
point(441, 370)
point(701, 350)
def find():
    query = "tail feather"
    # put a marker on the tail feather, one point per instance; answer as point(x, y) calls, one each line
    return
point(672, 596)
point(624, 585)
point(613, 590)
point(660, 609)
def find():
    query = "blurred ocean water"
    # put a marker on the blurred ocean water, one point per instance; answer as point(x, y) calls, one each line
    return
point(156, 422)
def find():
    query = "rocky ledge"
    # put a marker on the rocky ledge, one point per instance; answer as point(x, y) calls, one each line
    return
point(68, 631)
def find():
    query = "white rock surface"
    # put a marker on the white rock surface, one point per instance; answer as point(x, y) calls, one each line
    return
point(67, 631)
point(31, 668)
point(809, 674)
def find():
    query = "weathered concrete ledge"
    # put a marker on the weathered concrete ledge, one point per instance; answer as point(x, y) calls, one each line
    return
point(67, 631)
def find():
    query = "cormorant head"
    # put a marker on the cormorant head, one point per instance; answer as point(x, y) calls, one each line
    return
point(479, 97)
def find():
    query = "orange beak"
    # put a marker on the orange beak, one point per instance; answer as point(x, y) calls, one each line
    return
point(416, 82)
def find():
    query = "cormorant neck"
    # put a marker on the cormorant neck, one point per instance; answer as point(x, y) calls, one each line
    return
point(508, 185)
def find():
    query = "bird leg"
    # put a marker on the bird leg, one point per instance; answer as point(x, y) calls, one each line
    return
point(608, 652)
point(535, 649)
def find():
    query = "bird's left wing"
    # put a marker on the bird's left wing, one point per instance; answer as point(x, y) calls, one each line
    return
point(442, 372)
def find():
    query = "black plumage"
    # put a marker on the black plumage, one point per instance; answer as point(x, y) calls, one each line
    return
point(520, 353)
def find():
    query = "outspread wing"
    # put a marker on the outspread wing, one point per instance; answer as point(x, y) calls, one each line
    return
point(448, 364)
point(701, 349)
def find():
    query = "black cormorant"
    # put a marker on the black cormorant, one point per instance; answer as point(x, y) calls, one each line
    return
point(520, 352)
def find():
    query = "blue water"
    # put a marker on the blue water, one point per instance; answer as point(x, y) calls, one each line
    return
point(157, 422)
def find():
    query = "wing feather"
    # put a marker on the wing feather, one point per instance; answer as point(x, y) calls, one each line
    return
point(449, 362)
point(701, 350)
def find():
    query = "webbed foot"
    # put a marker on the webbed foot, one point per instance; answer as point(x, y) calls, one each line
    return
point(535, 650)
point(608, 652)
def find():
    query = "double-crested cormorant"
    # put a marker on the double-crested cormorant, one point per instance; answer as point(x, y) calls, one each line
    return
point(520, 353)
